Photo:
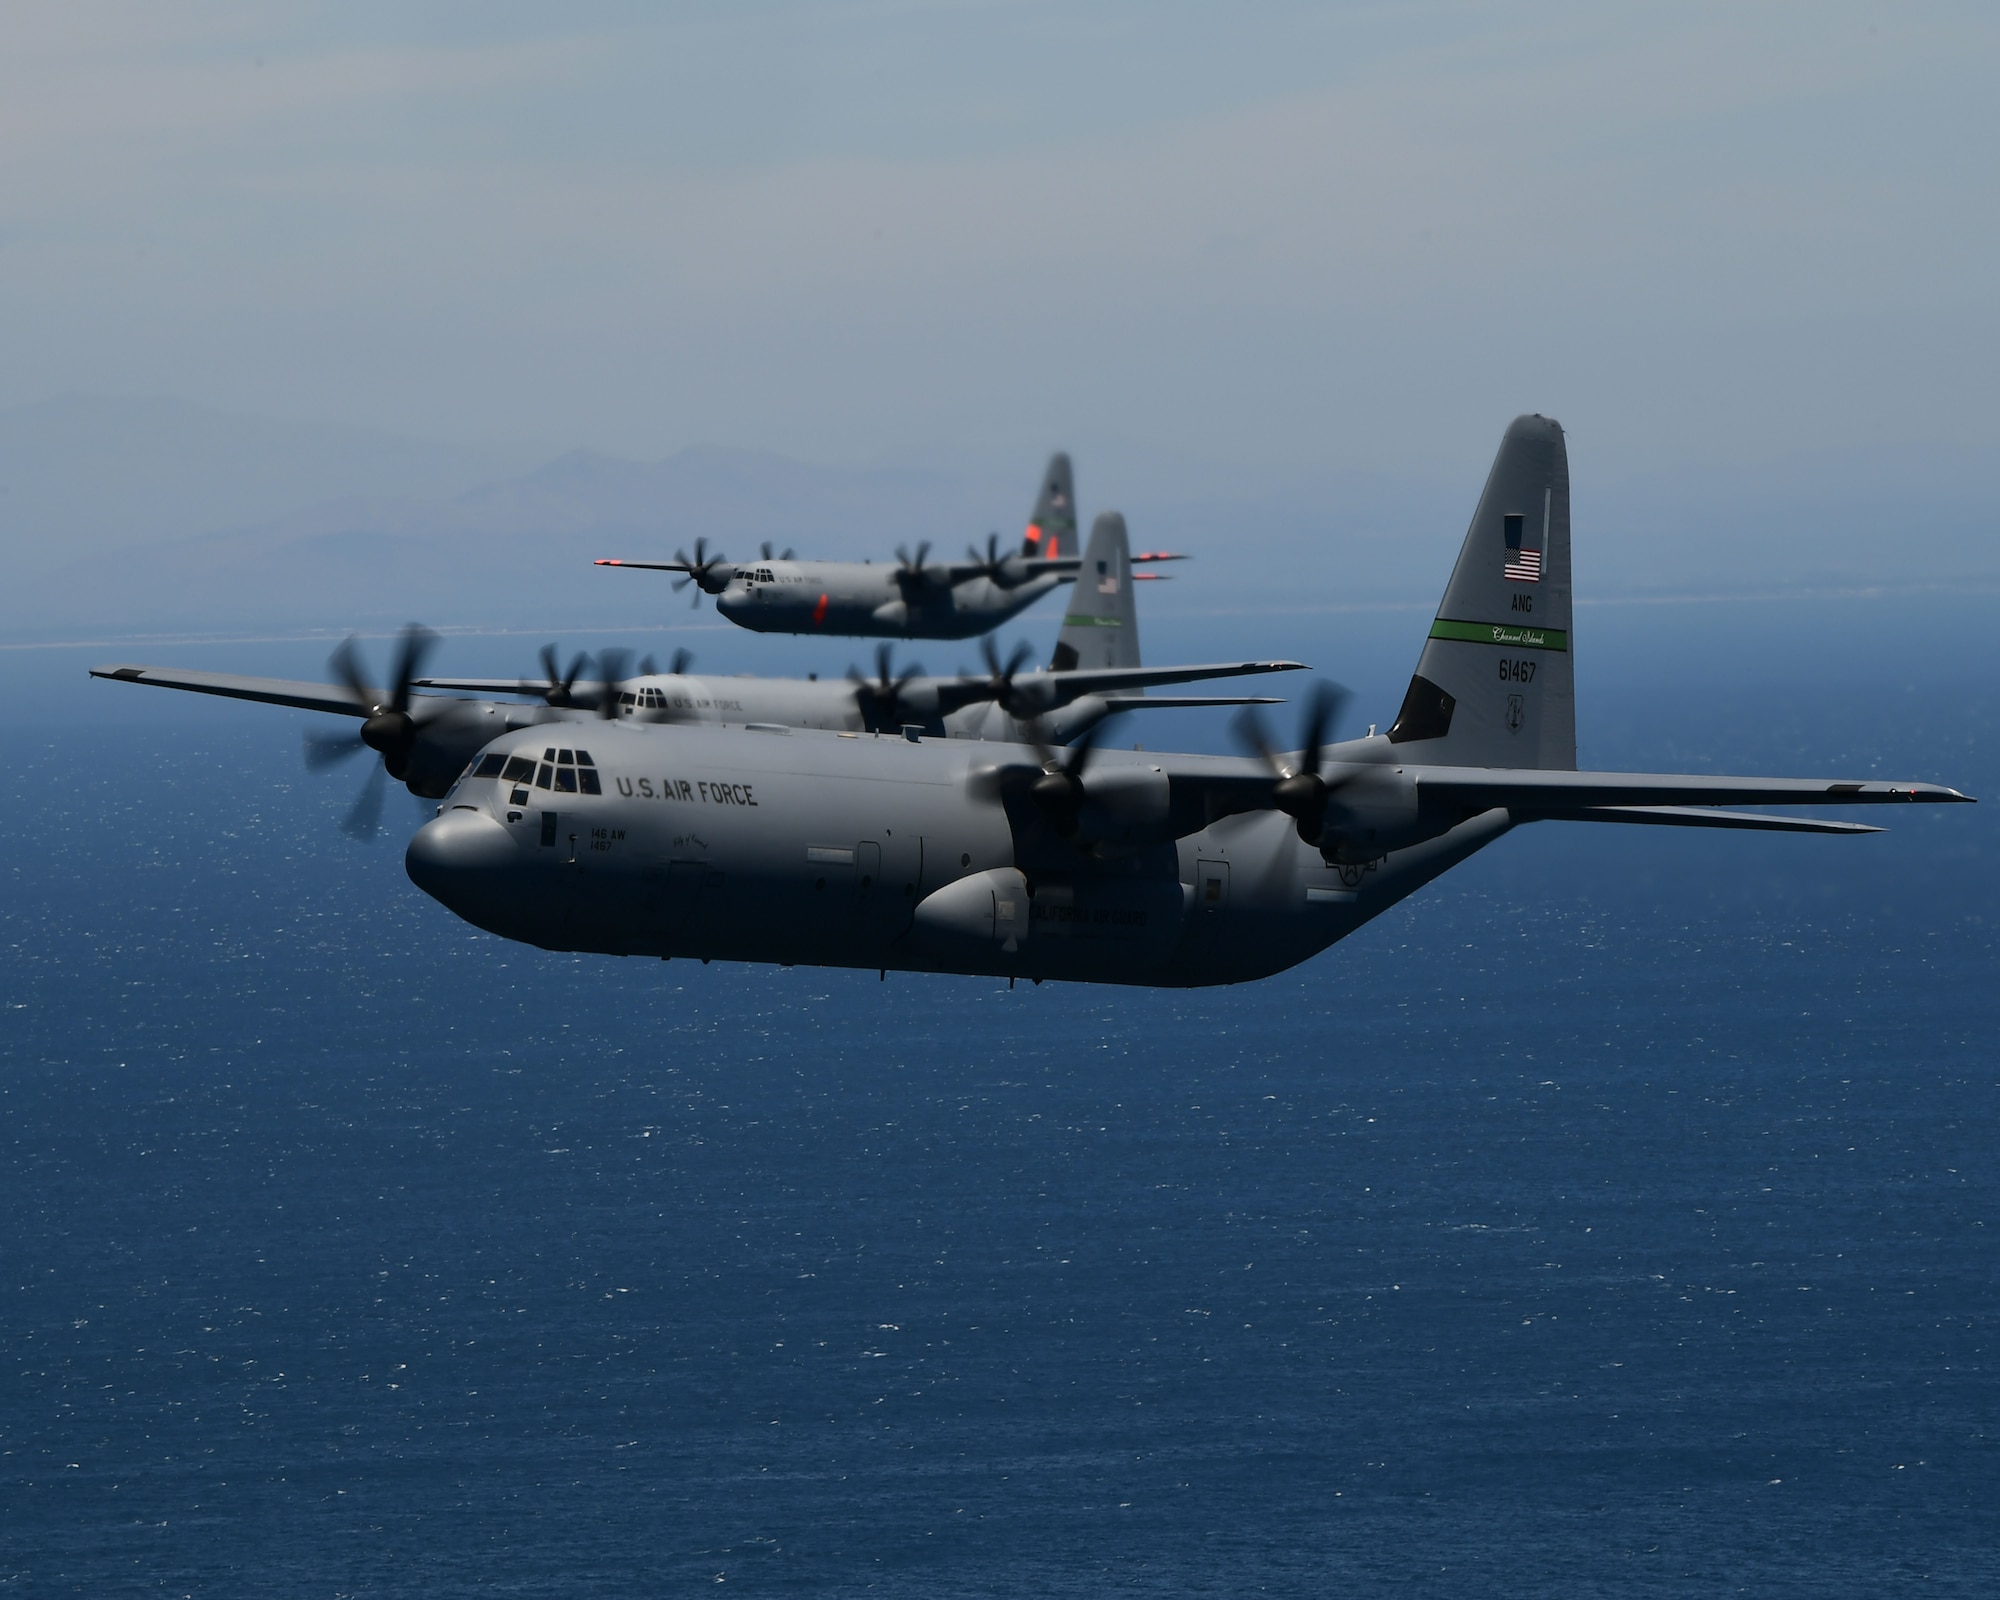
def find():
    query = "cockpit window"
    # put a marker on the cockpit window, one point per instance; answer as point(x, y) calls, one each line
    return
point(542, 776)
point(565, 757)
point(519, 769)
point(582, 758)
point(489, 765)
point(565, 780)
point(587, 776)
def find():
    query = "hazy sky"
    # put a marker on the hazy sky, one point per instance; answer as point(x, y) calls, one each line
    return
point(1274, 237)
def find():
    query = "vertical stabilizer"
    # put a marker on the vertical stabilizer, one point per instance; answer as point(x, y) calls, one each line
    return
point(1495, 685)
point(1101, 628)
point(1052, 528)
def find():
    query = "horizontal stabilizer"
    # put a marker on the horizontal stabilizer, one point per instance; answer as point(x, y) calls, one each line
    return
point(1694, 817)
point(270, 691)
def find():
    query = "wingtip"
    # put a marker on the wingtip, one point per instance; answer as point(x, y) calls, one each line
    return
point(605, 561)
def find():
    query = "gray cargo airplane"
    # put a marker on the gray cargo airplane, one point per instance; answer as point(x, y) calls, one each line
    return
point(840, 849)
point(427, 739)
point(916, 598)
point(848, 849)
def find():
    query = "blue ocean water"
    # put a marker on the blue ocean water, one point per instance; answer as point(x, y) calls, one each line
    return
point(1615, 1218)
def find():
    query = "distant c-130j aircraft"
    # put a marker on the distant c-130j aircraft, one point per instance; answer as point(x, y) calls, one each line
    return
point(915, 598)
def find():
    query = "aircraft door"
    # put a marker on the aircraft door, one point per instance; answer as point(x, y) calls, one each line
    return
point(1211, 888)
point(885, 884)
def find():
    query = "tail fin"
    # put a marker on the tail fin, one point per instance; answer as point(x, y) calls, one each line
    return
point(1496, 685)
point(1052, 529)
point(1101, 628)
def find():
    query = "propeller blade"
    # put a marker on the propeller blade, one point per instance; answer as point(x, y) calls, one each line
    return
point(1322, 715)
point(683, 659)
point(1250, 732)
point(648, 667)
point(364, 821)
point(324, 750)
point(1080, 751)
point(611, 668)
point(417, 643)
point(345, 665)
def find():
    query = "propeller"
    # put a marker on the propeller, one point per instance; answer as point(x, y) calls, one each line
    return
point(610, 668)
point(769, 557)
point(364, 817)
point(389, 726)
point(683, 659)
point(993, 565)
point(557, 684)
point(881, 698)
point(911, 573)
point(648, 667)
point(701, 571)
point(1059, 790)
point(1001, 679)
point(1300, 792)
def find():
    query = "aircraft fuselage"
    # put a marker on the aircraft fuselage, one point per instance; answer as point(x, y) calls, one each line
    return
point(875, 851)
point(878, 601)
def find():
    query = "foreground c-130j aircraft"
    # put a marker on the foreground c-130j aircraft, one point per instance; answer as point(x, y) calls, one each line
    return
point(845, 850)
point(913, 598)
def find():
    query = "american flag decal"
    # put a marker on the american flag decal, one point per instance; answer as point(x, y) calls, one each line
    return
point(1523, 566)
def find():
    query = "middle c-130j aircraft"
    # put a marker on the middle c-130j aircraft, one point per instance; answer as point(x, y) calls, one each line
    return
point(839, 849)
point(916, 598)
point(427, 739)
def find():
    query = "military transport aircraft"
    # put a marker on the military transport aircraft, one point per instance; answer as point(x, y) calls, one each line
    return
point(840, 848)
point(426, 739)
point(916, 598)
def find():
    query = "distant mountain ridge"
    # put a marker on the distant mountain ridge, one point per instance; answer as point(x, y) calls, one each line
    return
point(379, 529)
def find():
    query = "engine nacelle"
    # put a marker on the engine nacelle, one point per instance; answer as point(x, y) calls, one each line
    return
point(1370, 813)
point(1125, 805)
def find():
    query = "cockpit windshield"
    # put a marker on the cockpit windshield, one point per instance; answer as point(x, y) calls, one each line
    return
point(564, 772)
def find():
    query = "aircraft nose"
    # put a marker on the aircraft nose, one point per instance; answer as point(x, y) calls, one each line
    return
point(458, 859)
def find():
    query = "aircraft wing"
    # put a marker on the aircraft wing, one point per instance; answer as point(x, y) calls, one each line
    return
point(489, 686)
point(1696, 817)
point(1020, 569)
point(271, 691)
point(1102, 680)
point(1057, 689)
point(1544, 792)
point(1175, 702)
